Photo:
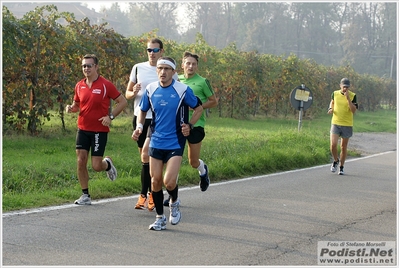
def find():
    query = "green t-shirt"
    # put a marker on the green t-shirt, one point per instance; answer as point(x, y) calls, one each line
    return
point(202, 89)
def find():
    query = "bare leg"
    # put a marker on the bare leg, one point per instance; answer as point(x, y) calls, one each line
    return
point(344, 150)
point(83, 173)
point(333, 146)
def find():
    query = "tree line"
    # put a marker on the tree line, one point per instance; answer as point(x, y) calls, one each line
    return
point(42, 56)
point(359, 34)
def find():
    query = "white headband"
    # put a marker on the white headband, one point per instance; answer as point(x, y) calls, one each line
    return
point(167, 62)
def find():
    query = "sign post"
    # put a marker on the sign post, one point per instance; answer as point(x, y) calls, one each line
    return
point(301, 99)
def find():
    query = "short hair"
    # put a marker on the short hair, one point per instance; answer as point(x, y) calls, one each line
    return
point(156, 41)
point(91, 56)
point(189, 54)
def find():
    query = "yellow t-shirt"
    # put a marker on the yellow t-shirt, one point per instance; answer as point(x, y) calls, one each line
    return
point(342, 115)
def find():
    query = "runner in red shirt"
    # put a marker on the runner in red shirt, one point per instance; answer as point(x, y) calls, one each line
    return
point(92, 100)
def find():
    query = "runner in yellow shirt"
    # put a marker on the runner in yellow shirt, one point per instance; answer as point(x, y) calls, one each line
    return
point(342, 106)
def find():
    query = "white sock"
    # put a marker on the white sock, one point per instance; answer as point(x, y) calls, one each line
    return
point(201, 168)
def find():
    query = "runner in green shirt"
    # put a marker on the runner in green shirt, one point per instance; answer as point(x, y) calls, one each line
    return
point(203, 90)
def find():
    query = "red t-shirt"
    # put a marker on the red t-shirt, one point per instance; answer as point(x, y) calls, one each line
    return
point(94, 103)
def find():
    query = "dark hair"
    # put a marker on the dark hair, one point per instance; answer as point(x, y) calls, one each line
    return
point(156, 41)
point(189, 54)
point(91, 56)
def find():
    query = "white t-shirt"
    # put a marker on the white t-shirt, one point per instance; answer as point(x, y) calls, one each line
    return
point(146, 74)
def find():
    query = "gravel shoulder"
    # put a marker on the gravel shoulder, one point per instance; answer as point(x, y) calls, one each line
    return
point(372, 143)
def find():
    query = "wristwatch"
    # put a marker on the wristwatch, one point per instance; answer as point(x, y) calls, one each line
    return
point(111, 116)
point(191, 126)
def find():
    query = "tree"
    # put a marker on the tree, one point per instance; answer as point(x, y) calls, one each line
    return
point(310, 30)
point(148, 16)
point(49, 57)
point(32, 90)
point(118, 20)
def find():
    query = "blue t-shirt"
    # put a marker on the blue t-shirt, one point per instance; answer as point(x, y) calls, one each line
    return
point(170, 108)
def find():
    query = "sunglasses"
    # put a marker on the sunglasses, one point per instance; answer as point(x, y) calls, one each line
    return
point(87, 65)
point(155, 50)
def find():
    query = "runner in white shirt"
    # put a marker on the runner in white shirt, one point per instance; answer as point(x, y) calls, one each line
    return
point(141, 75)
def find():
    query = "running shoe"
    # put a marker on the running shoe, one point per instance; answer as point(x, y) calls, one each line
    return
point(175, 214)
point(159, 224)
point(204, 183)
point(83, 200)
point(141, 202)
point(341, 171)
point(334, 166)
point(111, 173)
point(151, 205)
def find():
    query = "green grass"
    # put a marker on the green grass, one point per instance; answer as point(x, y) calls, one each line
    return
point(41, 171)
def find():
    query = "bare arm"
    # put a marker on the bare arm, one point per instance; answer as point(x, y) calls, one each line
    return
point(196, 114)
point(211, 102)
point(351, 105)
point(132, 90)
point(72, 108)
point(194, 118)
point(331, 107)
point(139, 129)
point(121, 103)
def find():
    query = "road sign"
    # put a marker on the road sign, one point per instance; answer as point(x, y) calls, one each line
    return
point(301, 98)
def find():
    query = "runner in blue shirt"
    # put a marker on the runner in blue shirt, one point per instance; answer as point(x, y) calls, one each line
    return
point(169, 100)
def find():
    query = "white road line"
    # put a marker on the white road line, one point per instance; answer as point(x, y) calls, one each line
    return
point(45, 209)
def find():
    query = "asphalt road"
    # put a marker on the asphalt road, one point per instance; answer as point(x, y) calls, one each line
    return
point(268, 220)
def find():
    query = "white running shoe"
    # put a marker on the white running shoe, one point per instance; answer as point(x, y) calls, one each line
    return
point(111, 173)
point(334, 166)
point(341, 171)
point(83, 200)
point(175, 214)
point(159, 224)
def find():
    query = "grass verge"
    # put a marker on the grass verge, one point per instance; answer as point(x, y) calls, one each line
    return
point(41, 171)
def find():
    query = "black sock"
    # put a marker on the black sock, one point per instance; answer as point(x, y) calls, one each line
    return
point(173, 194)
point(158, 201)
point(145, 179)
point(109, 165)
point(86, 191)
